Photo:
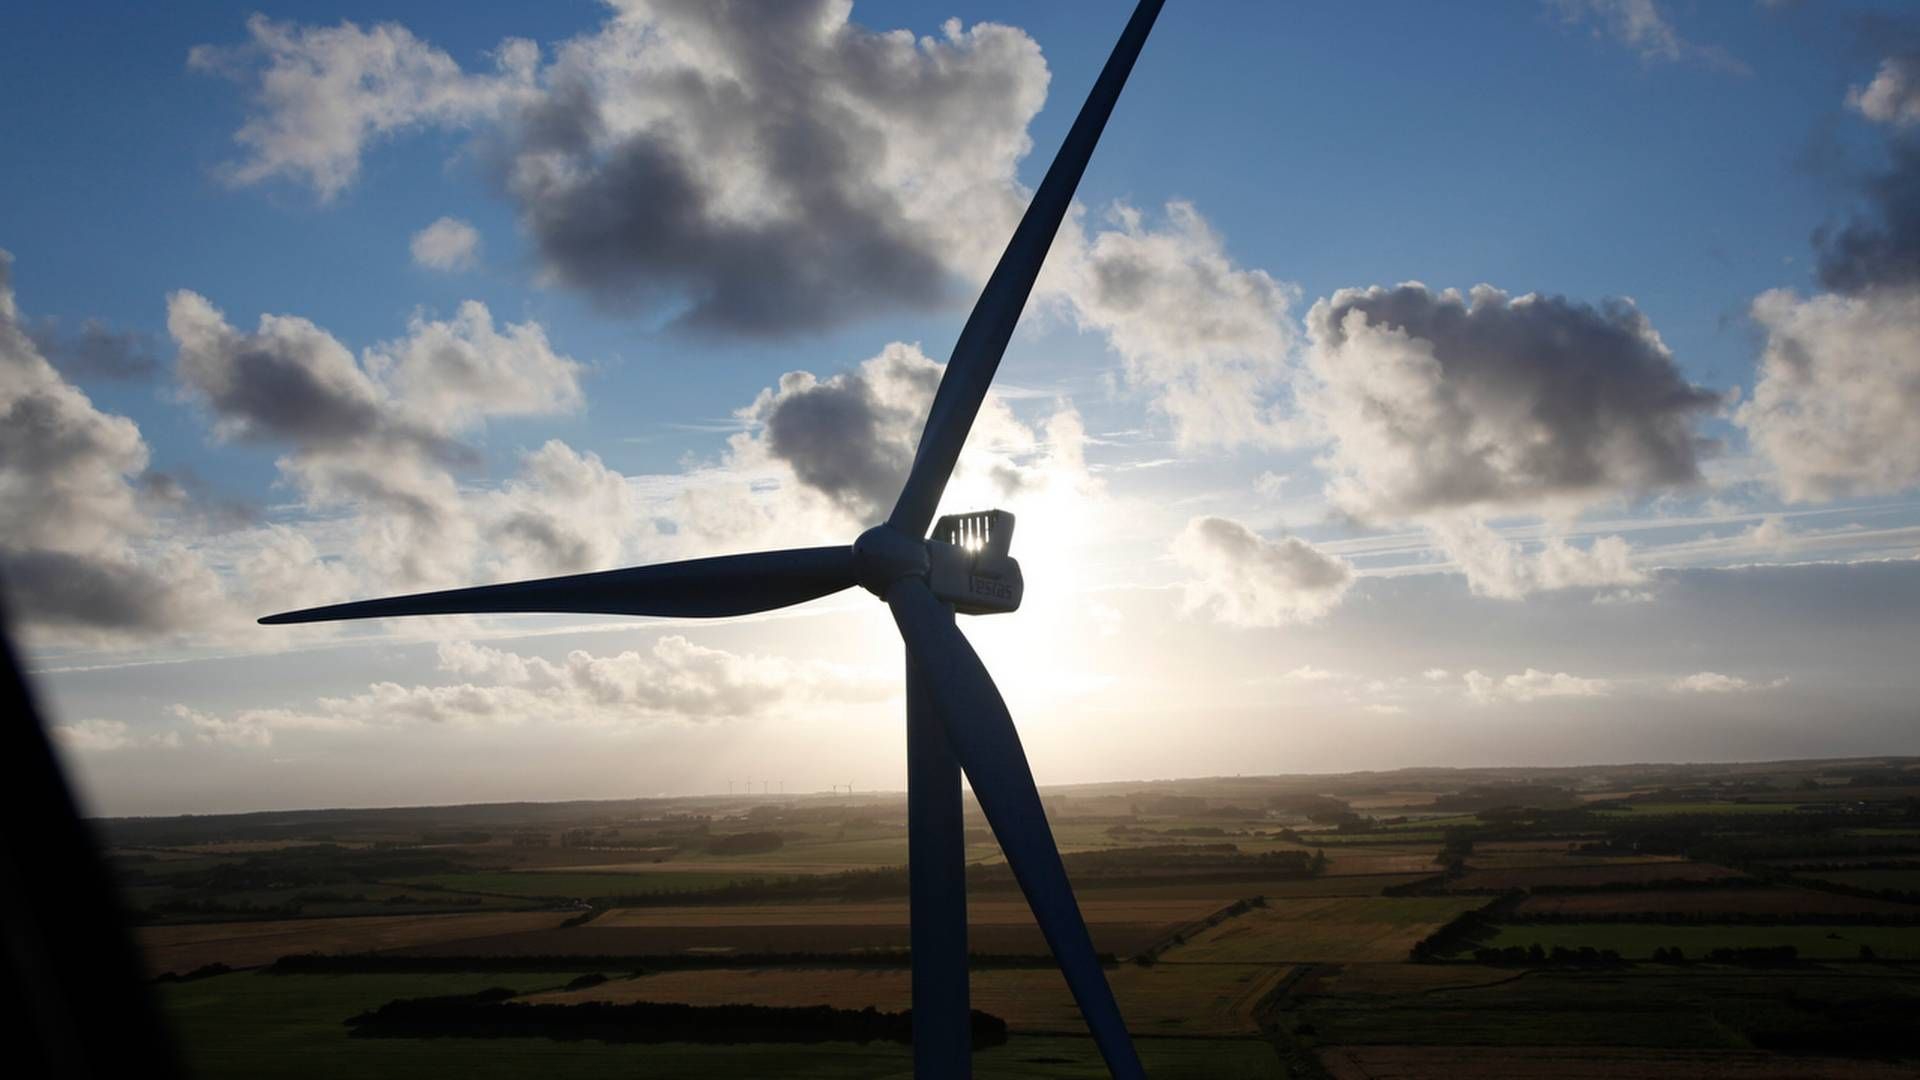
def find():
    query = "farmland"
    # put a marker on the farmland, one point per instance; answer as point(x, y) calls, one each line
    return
point(1749, 921)
point(1637, 941)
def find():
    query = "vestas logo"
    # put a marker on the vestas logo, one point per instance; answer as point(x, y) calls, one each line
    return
point(989, 588)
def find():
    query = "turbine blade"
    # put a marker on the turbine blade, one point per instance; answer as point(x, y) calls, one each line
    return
point(697, 589)
point(977, 354)
point(983, 739)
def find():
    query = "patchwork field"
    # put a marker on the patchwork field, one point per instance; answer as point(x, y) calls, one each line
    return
point(1587, 1063)
point(1331, 929)
point(1587, 877)
point(1647, 1007)
point(1712, 902)
point(1636, 941)
point(995, 927)
point(181, 949)
point(1195, 999)
point(230, 1026)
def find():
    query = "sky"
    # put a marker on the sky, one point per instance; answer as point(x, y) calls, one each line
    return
point(1533, 382)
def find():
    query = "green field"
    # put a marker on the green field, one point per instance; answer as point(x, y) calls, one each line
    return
point(247, 1025)
point(1361, 928)
point(1642, 1008)
point(1685, 809)
point(1899, 880)
point(570, 885)
point(1636, 941)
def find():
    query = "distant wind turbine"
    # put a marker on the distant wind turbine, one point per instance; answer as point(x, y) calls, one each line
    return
point(956, 718)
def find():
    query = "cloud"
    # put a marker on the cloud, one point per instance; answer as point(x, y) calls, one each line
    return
point(77, 550)
point(1638, 24)
point(1836, 408)
point(754, 171)
point(565, 511)
point(675, 680)
point(101, 736)
point(1893, 97)
point(96, 351)
point(1642, 26)
point(380, 432)
point(1880, 247)
point(1509, 570)
point(1209, 338)
point(1434, 401)
point(447, 244)
point(1532, 685)
point(322, 94)
point(1244, 579)
point(1712, 682)
point(850, 438)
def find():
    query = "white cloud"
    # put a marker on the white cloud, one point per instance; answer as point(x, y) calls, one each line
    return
point(1244, 579)
point(1641, 25)
point(322, 94)
point(84, 560)
point(1447, 410)
point(1893, 97)
point(377, 435)
point(447, 244)
point(1509, 570)
point(1712, 682)
point(1208, 338)
point(1533, 685)
point(675, 680)
point(1836, 409)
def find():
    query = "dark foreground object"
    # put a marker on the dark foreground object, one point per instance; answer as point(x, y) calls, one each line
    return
point(72, 993)
point(490, 1015)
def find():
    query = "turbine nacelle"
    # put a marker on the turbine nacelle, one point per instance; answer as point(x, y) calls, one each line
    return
point(969, 564)
point(965, 562)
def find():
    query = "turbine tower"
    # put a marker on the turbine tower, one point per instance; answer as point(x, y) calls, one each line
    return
point(956, 719)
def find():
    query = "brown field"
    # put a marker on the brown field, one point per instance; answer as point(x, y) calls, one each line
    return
point(1713, 902)
point(1588, 876)
point(1122, 927)
point(1331, 929)
point(1192, 999)
point(1588, 1063)
point(181, 949)
point(1376, 980)
point(1511, 856)
point(1356, 859)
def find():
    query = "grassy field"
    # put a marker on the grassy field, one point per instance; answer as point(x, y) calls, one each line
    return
point(1636, 941)
point(995, 926)
point(1590, 1063)
point(1693, 1010)
point(1331, 929)
point(552, 884)
point(1708, 902)
point(1587, 876)
point(1692, 809)
point(1901, 880)
point(230, 1026)
point(1166, 1000)
point(181, 949)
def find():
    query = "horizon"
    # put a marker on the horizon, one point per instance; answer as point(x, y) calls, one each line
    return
point(901, 792)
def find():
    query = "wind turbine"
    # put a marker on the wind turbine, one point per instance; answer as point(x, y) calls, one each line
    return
point(956, 719)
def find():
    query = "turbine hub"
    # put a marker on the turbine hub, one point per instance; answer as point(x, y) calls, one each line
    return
point(883, 555)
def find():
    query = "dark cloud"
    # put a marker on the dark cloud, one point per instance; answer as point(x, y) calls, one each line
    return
point(636, 228)
point(754, 169)
point(88, 592)
point(96, 351)
point(851, 437)
point(1880, 246)
point(70, 511)
point(1437, 402)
